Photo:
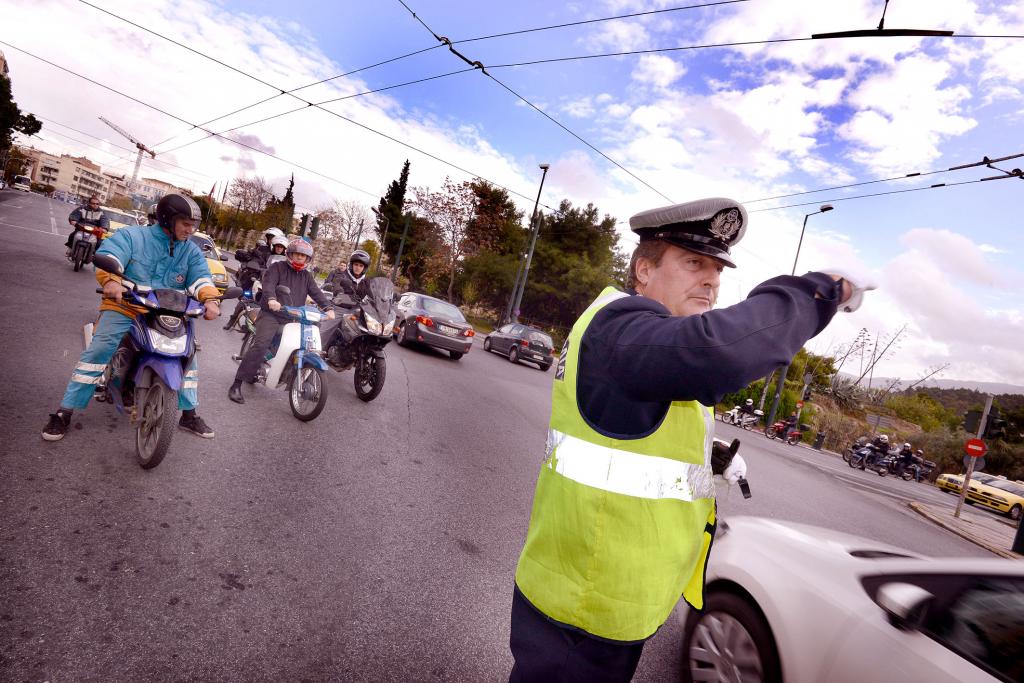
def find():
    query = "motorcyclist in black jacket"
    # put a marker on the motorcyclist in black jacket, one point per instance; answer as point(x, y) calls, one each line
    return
point(295, 275)
point(351, 280)
point(90, 214)
point(906, 458)
point(879, 448)
point(251, 264)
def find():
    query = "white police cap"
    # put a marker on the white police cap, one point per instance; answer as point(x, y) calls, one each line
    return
point(706, 226)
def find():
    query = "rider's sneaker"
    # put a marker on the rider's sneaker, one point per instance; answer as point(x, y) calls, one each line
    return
point(191, 422)
point(58, 425)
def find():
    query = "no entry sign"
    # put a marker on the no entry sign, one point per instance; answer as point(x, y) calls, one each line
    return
point(975, 448)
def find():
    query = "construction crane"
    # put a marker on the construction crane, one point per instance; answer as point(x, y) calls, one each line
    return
point(141, 147)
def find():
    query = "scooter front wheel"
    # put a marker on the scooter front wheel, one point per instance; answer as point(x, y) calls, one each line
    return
point(307, 393)
point(369, 377)
point(158, 414)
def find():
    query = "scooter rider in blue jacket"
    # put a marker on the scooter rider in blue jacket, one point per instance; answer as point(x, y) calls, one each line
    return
point(160, 256)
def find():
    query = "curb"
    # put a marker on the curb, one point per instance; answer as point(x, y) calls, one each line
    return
point(1002, 552)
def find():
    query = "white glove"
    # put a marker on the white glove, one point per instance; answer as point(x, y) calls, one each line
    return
point(736, 470)
point(859, 283)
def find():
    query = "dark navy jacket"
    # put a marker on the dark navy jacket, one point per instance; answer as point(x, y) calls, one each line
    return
point(636, 358)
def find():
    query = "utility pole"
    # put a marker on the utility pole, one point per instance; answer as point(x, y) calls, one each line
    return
point(971, 460)
point(401, 246)
point(535, 225)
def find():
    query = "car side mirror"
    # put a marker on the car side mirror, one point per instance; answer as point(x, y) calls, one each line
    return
point(107, 263)
point(904, 603)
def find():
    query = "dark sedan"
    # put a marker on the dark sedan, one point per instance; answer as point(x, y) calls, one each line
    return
point(521, 342)
point(437, 323)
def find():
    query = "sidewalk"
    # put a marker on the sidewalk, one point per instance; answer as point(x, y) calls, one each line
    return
point(992, 535)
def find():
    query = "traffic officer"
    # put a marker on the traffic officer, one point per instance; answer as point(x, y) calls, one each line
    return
point(624, 510)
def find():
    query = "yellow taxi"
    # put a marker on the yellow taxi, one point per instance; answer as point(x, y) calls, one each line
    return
point(214, 259)
point(119, 219)
point(993, 491)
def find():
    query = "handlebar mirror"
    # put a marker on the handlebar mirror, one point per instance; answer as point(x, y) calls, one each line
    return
point(107, 263)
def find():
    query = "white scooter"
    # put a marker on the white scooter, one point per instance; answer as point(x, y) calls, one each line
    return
point(295, 361)
point(741, 419)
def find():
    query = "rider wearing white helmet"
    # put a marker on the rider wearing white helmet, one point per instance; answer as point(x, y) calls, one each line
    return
point(294, 274)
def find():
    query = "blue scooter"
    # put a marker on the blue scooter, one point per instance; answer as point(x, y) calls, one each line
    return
point(147, 371)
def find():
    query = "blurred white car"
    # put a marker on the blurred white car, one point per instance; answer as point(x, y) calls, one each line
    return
point(796, 603)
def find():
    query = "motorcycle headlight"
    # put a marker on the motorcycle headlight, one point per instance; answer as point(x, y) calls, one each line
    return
point(372, 324)
point(165, 344)
point(389, 326)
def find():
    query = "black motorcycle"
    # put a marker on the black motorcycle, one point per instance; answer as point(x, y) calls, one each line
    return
point(867, 458)
point(362, 331)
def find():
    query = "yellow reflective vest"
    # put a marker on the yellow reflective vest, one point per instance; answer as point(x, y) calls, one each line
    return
point(619, 528)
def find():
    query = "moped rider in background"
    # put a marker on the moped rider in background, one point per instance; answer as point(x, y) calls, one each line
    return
point(879, 448)
point(251, 264)
point(350, 280)
point(293, 274)
point(161, 257)
point(90, 215)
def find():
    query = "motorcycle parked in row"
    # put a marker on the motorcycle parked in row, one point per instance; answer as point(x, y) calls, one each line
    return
point(147, 370)
point(779, 430)
point(362, 331)
point(84, 243)
point(868, 458)
point(295, 359)
point(741, 419)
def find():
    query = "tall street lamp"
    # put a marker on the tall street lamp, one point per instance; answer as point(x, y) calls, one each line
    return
point(824, 208)
point(535, 225)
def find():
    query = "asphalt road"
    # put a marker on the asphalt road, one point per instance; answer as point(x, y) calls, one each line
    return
point(376, 543)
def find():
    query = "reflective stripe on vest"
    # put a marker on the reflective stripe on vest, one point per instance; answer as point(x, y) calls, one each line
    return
point(620, 528)
point(617, 471)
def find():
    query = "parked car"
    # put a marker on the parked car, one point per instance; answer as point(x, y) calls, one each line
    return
point(426, 320)
point(214, 259)
point(992, 491)
point(792, 602)
point(22, 182)
point(521, 342)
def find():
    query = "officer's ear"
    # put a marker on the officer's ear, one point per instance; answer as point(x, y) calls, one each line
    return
point(642, 269)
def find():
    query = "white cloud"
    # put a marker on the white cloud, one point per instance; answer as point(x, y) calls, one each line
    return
point(657, 71)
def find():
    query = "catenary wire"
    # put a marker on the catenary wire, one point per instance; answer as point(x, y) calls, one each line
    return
point(568, 130)
point(595, 21)
point(311, 104)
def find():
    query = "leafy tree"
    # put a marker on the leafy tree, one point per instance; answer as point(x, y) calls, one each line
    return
point(17, 163)
point(450, 210)
point(574, 259)
point(390, 210)
point(206, 209)
point(12, 120)
point(499, 239)
point(121, 202)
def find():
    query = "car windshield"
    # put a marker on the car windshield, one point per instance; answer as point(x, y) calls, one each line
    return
point(443, 308)
point(540, 337)
point(118, 217)
point(22, 180)
point(202, 242)
point(1009, 486)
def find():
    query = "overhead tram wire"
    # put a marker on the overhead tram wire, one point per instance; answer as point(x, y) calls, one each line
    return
point(594, 21)
point(936, 186)
point(285, 92)
point(186, 122)
point(922, 174)
point(117, 146)
point(336, 99)
point(483, 70)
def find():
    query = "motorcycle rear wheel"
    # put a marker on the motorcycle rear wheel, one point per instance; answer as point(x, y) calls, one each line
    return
point(310, 406)
point(158, 415)
point(368, 377)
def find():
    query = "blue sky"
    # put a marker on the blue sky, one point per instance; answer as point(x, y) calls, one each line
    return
point(743, 122)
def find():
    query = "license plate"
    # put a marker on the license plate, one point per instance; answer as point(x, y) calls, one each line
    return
point(450, 331)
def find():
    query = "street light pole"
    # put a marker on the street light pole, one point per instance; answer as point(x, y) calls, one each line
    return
point(535, 224)
point(785, 370)
point(387, 224)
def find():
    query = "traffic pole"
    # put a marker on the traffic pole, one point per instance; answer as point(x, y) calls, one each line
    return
point(970, 463)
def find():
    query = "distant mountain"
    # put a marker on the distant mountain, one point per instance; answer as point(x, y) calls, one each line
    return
point(995, 388)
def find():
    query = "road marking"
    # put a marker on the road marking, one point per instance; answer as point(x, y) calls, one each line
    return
point(53, 224)
point(22, 227)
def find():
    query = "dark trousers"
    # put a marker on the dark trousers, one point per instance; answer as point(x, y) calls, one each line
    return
point(267, 325)
point(548, 653)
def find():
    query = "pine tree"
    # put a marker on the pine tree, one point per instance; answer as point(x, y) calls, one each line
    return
point(390, 212)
